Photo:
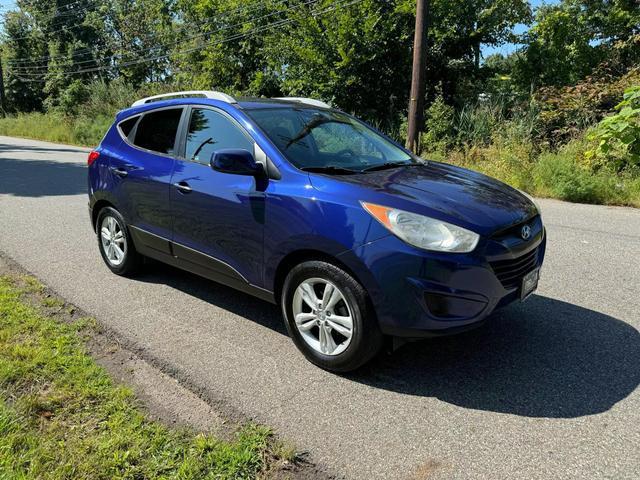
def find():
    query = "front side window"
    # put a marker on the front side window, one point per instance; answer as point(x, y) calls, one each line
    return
point(157, 130)
point(315, 138)
point(210, 131)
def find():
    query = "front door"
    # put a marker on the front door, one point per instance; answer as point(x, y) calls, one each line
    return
point(218, 218)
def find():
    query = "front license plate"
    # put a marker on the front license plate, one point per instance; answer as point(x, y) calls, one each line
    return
point(529, 284)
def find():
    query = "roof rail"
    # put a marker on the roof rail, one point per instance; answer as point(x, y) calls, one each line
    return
point(307, 101)
point(223, 97)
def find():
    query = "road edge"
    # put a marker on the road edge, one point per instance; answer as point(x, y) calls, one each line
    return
point(165, 397)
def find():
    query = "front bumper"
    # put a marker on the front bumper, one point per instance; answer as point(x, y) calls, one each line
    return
point(418, 294)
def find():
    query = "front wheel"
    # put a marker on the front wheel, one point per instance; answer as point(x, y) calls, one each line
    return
point(329, 317)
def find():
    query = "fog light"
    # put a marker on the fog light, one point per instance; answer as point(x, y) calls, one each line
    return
point(448, 306)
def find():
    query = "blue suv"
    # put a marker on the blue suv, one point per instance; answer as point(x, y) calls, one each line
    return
point(305, 206)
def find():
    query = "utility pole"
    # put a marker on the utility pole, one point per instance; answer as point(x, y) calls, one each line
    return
point(416, 101)
point(3, 103)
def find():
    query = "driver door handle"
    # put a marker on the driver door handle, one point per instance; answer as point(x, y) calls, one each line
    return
point(183, 187)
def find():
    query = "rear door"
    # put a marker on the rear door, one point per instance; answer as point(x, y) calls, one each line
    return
point(142, 174)
point(218, 218)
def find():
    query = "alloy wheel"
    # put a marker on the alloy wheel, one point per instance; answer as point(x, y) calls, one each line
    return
point(323, 316)
point(114, 242)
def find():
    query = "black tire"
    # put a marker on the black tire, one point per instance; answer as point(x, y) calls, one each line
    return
point(366, 340)
point(132, 260)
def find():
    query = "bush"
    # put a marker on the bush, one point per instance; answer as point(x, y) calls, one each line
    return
point(618, 135)
point(510, 162)
point(476, 124)
point(516, 121)
point(106, 99)
point(73, 97)
point(567, 111)
point(439, 120)
point(563, 175)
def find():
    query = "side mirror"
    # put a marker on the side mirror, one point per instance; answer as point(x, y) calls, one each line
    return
point(237, 162)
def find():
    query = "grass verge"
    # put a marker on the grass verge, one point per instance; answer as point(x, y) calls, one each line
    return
point(57, 128)
point(61, 415)
point(560, 174)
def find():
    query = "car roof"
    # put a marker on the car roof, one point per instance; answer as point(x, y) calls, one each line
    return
point(245, 103)
point(250, 103)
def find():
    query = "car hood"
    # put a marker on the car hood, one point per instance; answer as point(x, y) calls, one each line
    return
point(467, 198)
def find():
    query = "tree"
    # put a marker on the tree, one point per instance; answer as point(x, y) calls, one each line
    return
point(142, 34)
point(75, 38)
point(223, 44)
point(559, 49)
point(358, 57)
point(21, 42)
point(458, 30)
point(570, 39)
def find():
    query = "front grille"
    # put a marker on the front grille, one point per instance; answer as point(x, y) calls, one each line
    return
point(510, 272)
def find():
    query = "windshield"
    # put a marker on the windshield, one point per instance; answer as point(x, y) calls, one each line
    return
point(314, 139)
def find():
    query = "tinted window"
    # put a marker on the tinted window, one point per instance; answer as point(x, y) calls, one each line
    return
point(157, 130)
point(127, 125)
point(210, 131)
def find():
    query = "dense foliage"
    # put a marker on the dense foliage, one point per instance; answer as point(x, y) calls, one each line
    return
point(356, 53)
point(79, 61)
point(618, 136)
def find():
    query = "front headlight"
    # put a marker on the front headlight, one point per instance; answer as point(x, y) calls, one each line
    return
point(424, 232)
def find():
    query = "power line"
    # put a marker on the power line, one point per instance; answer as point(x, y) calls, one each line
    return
point(336, 5)
point(85, 10)
point(32, 61)
point(90, 8)
point(28, 71)
point(59, 7)
point(23, 61)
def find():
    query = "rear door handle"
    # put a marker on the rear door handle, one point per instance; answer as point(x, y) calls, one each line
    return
point(183, 187)
point(121, 172)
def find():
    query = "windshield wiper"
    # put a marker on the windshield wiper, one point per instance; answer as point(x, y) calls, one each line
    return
point(389, 165)
point(317, 120)
point(330, 169)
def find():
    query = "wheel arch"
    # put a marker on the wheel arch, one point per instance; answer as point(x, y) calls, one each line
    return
point(305, 255)
point(97, 207)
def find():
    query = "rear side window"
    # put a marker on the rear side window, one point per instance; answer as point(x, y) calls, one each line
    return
point(157, 130)
point(126, 126)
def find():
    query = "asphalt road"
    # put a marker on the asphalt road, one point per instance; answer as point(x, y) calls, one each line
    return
point(548, 389)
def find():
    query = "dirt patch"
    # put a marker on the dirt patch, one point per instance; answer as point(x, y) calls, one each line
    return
point(426, 470)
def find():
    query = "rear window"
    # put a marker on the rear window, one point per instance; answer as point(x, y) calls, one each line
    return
point(157, 130)
point(126, 126)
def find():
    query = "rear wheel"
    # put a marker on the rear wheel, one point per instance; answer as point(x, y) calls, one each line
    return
point(329, 317)
point(114, 241)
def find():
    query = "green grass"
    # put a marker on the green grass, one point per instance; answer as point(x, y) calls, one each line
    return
point(560, 174)
point(61, 416)
point(50, 127)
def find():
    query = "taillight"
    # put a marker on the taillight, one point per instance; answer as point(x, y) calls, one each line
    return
point(93, 156)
